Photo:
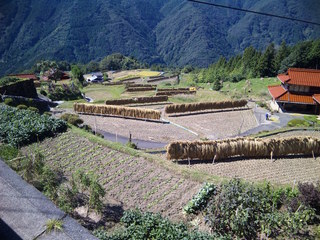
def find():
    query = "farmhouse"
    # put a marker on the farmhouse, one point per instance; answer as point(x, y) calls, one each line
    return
point(95, 77)
point(299, 90)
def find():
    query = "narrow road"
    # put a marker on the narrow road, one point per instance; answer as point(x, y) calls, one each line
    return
point(142, 144)
point(279, 120)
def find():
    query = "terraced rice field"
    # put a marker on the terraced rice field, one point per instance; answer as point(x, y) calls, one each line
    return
point(284, 170)
point(133, 181)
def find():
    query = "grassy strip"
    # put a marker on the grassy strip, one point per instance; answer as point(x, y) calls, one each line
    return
point(283, 130)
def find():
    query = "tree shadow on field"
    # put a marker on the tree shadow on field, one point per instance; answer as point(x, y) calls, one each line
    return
point(238, 159)
point(110, 216)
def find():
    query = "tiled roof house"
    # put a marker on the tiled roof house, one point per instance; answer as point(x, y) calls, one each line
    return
point(299, 90)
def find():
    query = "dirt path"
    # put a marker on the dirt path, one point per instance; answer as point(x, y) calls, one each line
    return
point(135, 182)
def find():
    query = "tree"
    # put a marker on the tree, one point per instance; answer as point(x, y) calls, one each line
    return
point(266, 65)
point(314, 54)
point(92, 67)
point(112, 62)
point(298, 57)
point(282, 53)
point(77, 74)
point(217, 84)
point(90, 188)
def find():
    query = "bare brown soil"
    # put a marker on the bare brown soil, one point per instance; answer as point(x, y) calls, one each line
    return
point(211, 125)
point(289, 170)
point(218, 125)
point(139, 129)
point(133, 182)
point(282, 171)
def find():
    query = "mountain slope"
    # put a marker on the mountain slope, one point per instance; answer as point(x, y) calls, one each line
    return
point(174, 32)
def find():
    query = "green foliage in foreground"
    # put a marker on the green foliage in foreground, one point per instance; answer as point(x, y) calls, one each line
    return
point(139, 225)
point(248, 211)
point(199, 201)
point(21, 127)
point(8, 152)
point(9, 80)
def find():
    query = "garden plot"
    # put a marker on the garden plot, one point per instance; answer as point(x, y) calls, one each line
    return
point(219, 124)
point(133, 181)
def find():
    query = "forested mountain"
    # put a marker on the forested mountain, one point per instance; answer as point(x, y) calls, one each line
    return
point(174, 32)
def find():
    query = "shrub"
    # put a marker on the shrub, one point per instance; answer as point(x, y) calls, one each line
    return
point(131, 145)
point(33, 109)
point(310, 195)
point(139, 225)
point(87, 128)
point(21, 127)
point(29, 102)
point(8, 152)
point(9, 102)
point(298, 123)
point(22, 106)
point(72, 119)
point(43, 92)
point(64, 92)
point(262, 104)
point(244, 211)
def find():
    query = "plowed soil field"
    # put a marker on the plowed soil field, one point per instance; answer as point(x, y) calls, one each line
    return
point(133, 181)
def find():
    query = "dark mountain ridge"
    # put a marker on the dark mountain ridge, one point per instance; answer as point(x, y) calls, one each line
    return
point(174, 32)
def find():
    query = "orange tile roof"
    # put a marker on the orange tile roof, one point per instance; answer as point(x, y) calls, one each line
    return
point(302, 77)
point(283, 78)
point(296, 98)
point(24, 76)
point(276, 91)
point(316, 97)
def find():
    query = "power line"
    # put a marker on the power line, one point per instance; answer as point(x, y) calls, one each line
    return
point(255, 12)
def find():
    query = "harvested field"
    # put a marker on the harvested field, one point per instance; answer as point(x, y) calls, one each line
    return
point(218, 125)
point(152, 131)
point(283, 170)
point(133, 181)
point(286, 170)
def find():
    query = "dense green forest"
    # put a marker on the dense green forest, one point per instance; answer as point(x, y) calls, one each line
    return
point(268, 63)
point(171, 32)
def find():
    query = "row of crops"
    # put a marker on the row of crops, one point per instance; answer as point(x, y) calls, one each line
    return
point(21, 127)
